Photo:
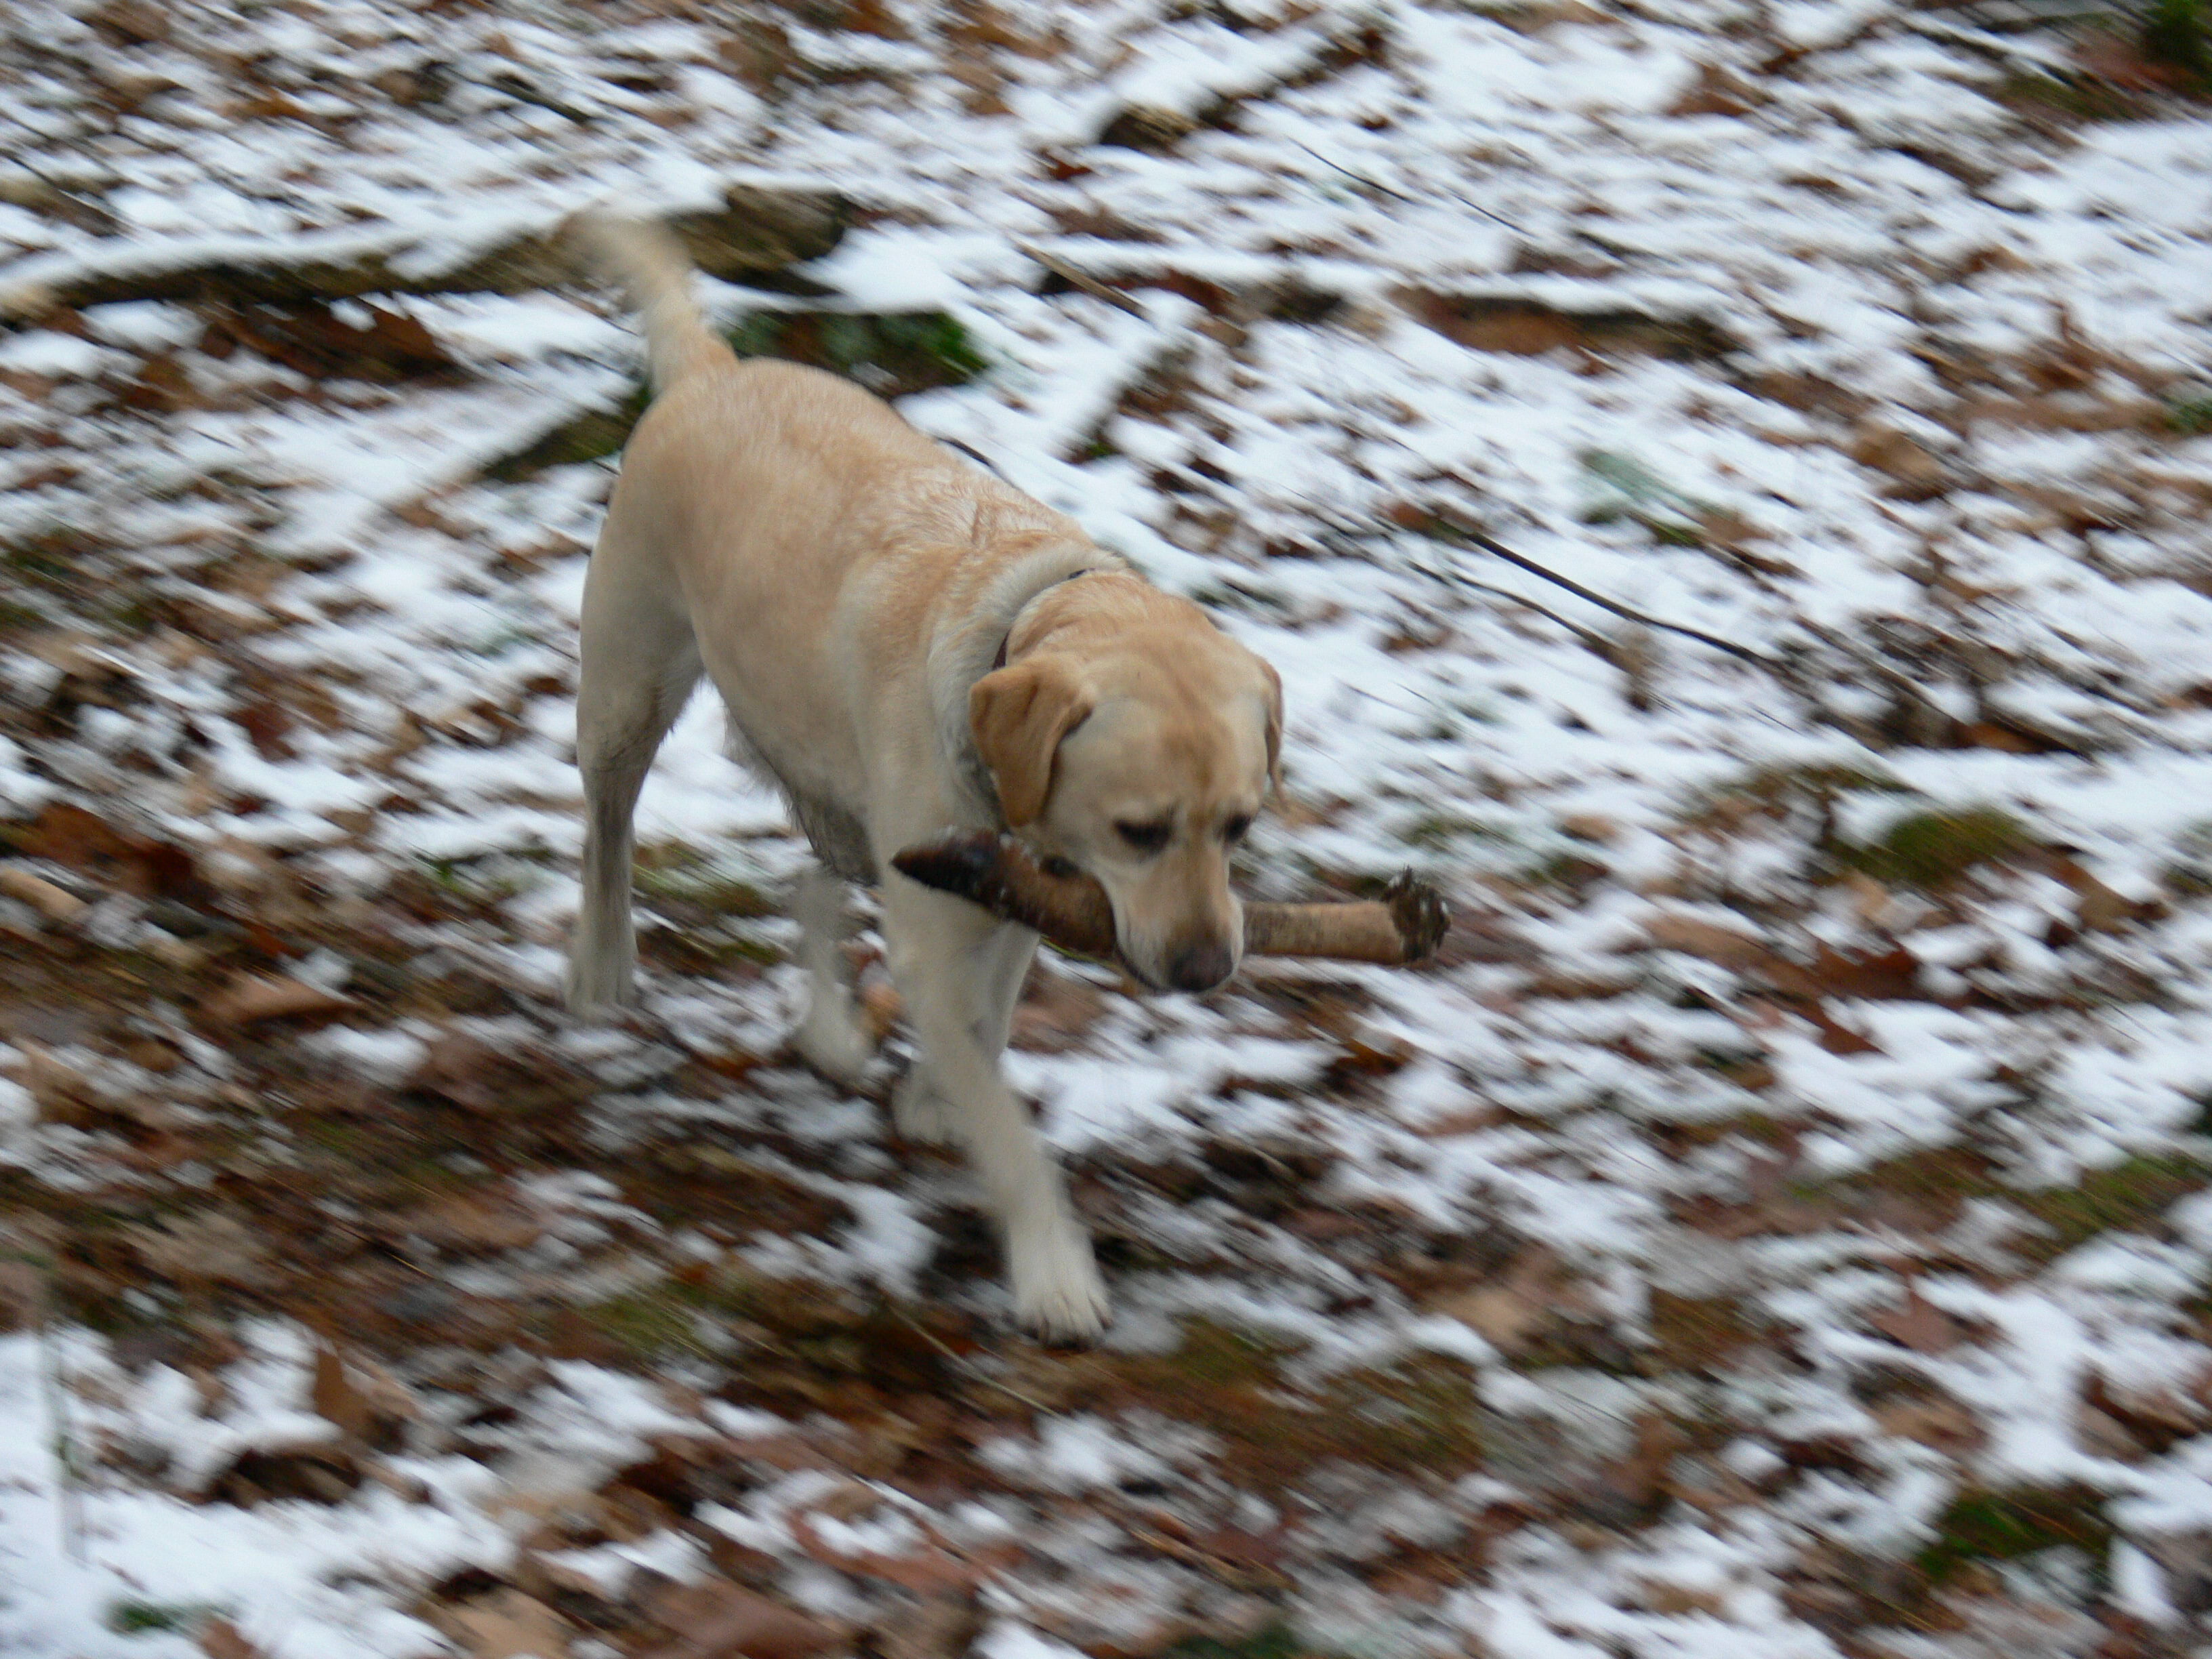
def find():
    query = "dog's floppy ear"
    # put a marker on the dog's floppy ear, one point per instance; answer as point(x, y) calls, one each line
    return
point(1274, 726)
point(1018, 715)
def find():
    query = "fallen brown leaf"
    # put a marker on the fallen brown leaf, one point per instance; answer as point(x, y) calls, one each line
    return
point(2112, 57)
point(1938, 1421)
point(881, 1006)
point(1718, 91)
point(1918, 1325)
point(1874, 904)
point(1674, 1601)
point(2009, 739)
point(936, 1627)
point(1631, 1490)
point(1892, 975)
point(933, 1572)
point(473, 1221)
point(362, 1399)
point(1591, 827)
point(1056, 1012)
point(2158, 1416)
point(504, 1624)
point(210, 1247)
point(459, 1068)
point(315, 1472)
point(22, 1296)
point(720, 1620)
point(1836, 1037)
point(2098, 908)
point(250, 997)
point(313, 339)
point(1513, 1312)
point(56, 904)
point(267, 725)
point(2102, 1435)
point(140, 865)
point(474, 1075)
point(1707, 939)
point(61, 1090)
point(220, 1639)
point(1914, 471)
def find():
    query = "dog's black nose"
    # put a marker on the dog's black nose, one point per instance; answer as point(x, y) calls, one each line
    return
point(1200, 967)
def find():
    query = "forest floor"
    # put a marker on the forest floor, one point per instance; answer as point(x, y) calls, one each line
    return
point(1779, 1223)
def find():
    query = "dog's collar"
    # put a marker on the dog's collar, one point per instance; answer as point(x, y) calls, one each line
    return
point(998, 658)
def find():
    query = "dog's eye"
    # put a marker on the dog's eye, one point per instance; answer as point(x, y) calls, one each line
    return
point(1145, 837)
point(1237, 829)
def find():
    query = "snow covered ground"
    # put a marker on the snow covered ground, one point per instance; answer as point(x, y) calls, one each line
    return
point(1777, 1227)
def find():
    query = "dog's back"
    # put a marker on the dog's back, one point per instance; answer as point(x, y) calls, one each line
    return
point(817, 538)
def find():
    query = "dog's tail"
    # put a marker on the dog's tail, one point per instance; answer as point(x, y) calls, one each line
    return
point(650, 264)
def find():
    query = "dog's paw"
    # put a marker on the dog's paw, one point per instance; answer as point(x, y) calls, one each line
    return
point(1058, 1295)
point(921, 1114)
point(597, 990)
point(830, 1041)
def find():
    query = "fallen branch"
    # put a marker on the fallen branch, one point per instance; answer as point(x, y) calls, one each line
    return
point(1000, 874)
point(1436, 528)
point(755, 233)
point(1377, 185)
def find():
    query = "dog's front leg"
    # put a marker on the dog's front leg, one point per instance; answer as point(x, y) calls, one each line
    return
point(940, 952)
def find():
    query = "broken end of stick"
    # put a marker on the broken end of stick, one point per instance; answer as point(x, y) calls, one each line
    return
point(960, 863)
point(1005, 877)
point(1419, 913)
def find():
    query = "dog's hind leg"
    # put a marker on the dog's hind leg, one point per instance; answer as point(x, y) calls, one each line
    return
point(640, 665)
point(830, 1035)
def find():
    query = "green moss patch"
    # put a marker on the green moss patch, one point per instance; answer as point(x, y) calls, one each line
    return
point(2008, 1525)
point(1932, 850)
point(1781, 793)
point(134, 1617)
point(2125, 1198)
point(891, 353)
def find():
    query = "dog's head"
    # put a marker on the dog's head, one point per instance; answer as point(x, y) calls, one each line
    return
point(1134, 740)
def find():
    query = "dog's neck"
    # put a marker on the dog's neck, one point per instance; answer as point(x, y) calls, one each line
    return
point(982, 647)
point(1006, 639)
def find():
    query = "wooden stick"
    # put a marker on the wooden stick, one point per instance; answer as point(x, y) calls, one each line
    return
point(998, 872)
point(1076, 277)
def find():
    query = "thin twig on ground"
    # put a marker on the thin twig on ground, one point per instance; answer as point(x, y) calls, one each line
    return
point(1077, 277)
point(1400, 194)
point(968, 1366)
point(1444, 530)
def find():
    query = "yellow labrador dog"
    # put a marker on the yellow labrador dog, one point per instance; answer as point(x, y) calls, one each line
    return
point(907, 645)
